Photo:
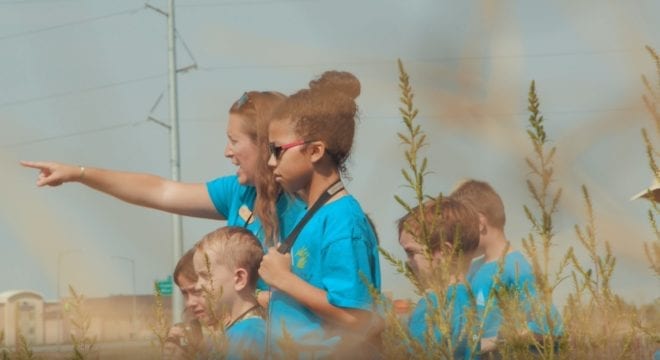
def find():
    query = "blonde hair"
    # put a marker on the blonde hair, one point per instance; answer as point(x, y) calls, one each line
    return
point(236, 248)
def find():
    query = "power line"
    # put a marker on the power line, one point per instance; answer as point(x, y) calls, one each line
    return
point(207, 119)
point(28, 2)
point(73, 23)
point(68, 93)
point(78, 133)
point(419, 60)
point(241, 3)
point(302, 65)
point(511, 114)
point(185, 46)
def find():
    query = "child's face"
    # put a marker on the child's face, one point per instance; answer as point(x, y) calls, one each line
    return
point(218, 285)
point(293, 168)
point(241, 150)
point(417, 261)
point(192, 296)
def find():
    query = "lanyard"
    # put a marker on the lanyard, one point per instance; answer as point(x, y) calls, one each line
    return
point(331, 191)
point(254, 309)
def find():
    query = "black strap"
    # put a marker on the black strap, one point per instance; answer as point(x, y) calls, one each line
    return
point(331, 191)
point(243, 315)
point(247, 222)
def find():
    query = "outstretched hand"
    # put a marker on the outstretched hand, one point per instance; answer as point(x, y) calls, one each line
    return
point(54, 174)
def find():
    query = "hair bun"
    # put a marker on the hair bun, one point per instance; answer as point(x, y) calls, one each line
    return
point(337, 81)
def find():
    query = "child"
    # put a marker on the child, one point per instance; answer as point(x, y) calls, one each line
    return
point(516, 274)
point(226, 262)
point(452, 238)
point(184, 339)
point(185, 279)
point(321, 286)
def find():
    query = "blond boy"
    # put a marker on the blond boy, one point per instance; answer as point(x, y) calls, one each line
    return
point(226, 262)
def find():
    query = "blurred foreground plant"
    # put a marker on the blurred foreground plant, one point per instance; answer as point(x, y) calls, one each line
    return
point(652, 101)
point(83, 342)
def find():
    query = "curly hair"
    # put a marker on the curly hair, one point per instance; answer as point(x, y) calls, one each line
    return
point(326, 112)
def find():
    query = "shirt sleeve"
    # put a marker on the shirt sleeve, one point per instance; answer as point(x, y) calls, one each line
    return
point(221, 191)
point(348, 272)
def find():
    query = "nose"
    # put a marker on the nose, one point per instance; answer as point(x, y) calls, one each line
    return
point(189, 302)
point(229, 151)
point(272, 161)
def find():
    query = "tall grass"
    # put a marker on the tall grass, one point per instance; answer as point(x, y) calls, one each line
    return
point(160, 324)
point(598, 323)
point(396, 340)
point(651, 100)
point(83, 342)
point(4, 352)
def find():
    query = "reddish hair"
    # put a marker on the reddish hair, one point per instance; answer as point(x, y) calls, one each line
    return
point(483, 199)
point(185, 268)
point(256, 109)
point(448, 221)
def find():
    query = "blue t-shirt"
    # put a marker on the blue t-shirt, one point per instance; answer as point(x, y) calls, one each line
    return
point(426, 310)
point(247, 339)
point(337, 252)
point(517, 276)
point(236, 202)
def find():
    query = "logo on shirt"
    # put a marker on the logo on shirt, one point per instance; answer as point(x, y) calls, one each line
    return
point(245, 214)
point(302, 255)
point(481, 301)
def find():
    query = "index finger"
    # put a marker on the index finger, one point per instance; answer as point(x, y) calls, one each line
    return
point(34, 164)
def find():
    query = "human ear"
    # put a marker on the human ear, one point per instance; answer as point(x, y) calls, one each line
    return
point(241, 279)
point(316, 150)
point(483, 228)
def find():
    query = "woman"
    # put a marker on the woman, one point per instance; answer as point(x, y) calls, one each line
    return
point(250, 198)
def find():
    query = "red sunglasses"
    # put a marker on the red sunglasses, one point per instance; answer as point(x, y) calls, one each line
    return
point(278, 150)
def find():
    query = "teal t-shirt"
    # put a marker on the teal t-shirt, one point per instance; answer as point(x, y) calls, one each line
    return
point(517, 276)
point(247, 339)
point(337, 252)
point(422, 319)
point(236, 202)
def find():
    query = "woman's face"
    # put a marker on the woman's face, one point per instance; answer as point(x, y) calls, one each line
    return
point(292, 168)
point(241, 150)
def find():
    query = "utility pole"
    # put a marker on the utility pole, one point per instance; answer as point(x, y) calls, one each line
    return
point(177, 228)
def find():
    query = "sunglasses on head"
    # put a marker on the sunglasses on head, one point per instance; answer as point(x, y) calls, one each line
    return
point(278, 150)
point(244, 99)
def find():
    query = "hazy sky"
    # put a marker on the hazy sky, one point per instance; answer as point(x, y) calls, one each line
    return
point(80, 79)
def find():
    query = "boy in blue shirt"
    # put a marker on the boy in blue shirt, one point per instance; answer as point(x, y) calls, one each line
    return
point(226, 262)
point(516, 275)
point(440, 264)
